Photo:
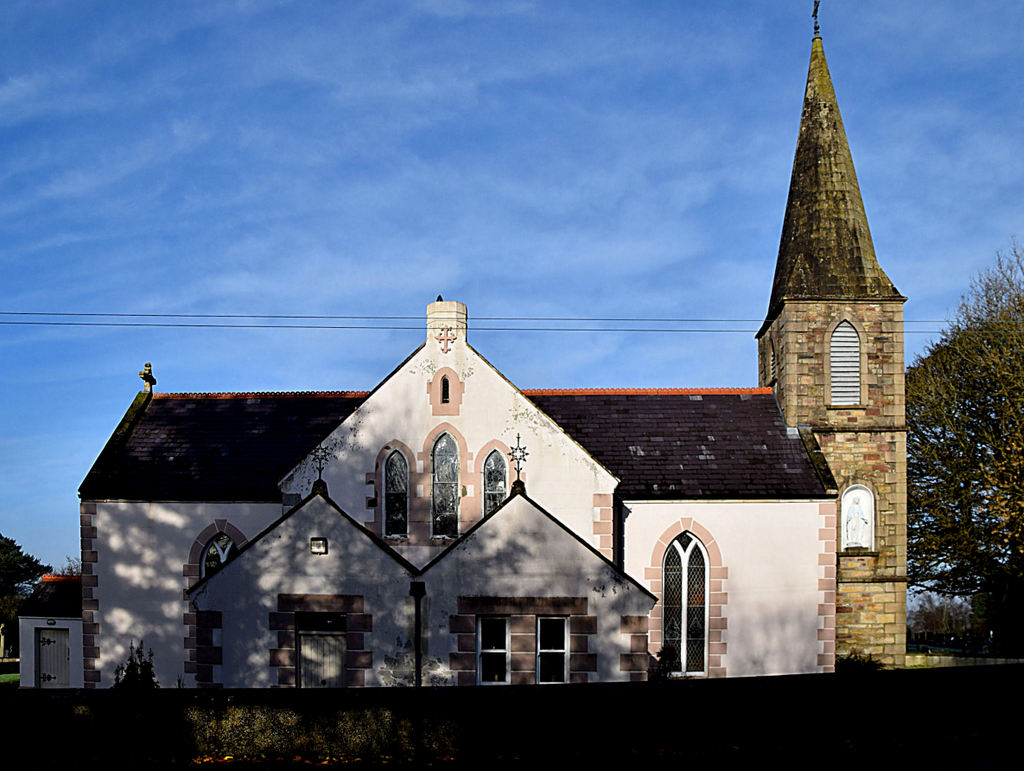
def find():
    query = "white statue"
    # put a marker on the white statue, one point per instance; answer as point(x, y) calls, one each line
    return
point(857, 518)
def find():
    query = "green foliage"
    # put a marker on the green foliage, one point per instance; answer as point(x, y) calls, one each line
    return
point(19, 572)
point(965, 454)
point(857, 664)
point(137, 673)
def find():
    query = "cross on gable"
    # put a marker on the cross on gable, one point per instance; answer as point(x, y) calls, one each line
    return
point(320, 456)
point(445, 338)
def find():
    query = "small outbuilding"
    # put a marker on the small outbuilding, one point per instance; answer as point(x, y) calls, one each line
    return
point(50, 630)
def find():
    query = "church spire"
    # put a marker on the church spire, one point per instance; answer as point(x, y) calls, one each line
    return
point(826, 250)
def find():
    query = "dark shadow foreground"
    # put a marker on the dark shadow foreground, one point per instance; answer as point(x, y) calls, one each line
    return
point(949, 718)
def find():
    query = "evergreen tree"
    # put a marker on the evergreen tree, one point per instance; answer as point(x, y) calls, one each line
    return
point(19, 572)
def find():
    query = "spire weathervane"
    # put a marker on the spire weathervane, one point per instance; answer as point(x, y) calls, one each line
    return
point(817, 29)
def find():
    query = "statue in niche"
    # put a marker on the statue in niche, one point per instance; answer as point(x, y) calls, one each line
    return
point(858, 511)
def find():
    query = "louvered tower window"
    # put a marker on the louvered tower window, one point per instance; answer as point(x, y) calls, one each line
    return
point(684, 606)
point(844, 349)
point(774, 368)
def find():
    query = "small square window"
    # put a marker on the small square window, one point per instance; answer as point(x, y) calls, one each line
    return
point(552, 650)
point(318, 546)
point(492, 650)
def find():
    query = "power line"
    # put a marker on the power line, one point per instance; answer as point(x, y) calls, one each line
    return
point(636, 319)
point(391, 327)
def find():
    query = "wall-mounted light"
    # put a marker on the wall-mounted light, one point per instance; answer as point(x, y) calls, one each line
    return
point(51, 622)
point(318, 546)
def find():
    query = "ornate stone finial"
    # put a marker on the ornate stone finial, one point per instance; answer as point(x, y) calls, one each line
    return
point(817, 29)
point(147, 378)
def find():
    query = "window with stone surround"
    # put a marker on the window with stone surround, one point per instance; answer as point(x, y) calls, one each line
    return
point(684, 606)
point(844, 369)
point(495, 477)
point(444, 487)
point(492, 650)
point(552, 649)
point(216, 553)
point(396, 495)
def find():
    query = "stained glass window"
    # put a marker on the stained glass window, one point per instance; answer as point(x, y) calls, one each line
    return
point(396, 495)
point(495, 473)
point(684, 606)
point(444, 488)
point(217, 552)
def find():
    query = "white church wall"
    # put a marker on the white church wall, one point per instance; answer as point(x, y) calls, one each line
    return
point(141, 549)
point(257, 595)
point(772, 576)
point(522, 557)
point(485, 412)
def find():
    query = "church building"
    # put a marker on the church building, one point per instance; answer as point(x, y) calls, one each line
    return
point(450, 527)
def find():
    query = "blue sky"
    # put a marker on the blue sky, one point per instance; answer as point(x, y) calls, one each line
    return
point(577, 159)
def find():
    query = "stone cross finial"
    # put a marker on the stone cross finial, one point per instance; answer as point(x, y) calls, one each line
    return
point(817, 29)
point(147, 378)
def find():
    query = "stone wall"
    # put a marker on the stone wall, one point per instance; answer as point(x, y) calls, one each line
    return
point(864, 444)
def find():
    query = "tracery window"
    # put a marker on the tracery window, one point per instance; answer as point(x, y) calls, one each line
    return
point(216, 553)
point(684, 606)
point(844, 357)
point(444, 487)
point(495, 477)
point(396, 495)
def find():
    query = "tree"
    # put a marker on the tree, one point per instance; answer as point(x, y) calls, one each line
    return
point(18, 574)
point(137, 673)
point(965, 454)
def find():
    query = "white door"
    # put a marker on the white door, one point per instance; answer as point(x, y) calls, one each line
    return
point(53, 658)
point(321, 660)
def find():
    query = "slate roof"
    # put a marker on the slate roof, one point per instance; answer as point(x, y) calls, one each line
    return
point(215, 447)
point(55, 597)
point(688, 445)
point(664, 444)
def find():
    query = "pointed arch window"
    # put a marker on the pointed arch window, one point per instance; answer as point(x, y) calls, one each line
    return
point(396, 495)
point(844, 356)
point(684, 606)
point(494, 481)
point(216, 553)
point(444, 487)
point(773, 364)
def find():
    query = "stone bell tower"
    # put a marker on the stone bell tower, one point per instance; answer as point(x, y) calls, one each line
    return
point(831, 346)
